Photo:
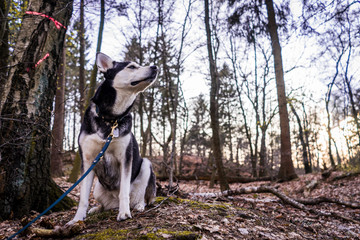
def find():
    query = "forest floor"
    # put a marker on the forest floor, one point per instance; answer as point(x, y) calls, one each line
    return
point(247, 216)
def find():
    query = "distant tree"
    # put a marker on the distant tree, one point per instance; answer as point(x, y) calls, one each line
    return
point(286, 171)
point(57, 132)
point(227, 107)
point(214, 107)
point(334, 33)
point(302, 137)
point(197, 136)
point(81, 35)
point(246, 126)
point(248, 21)
point(135, 51)
point(175, 98)
point(25, 128)
point(92, 85)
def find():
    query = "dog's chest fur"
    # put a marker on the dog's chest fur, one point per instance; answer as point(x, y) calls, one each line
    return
point(122, 150)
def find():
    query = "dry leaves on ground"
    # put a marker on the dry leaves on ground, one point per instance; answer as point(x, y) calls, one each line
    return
point(250, 216)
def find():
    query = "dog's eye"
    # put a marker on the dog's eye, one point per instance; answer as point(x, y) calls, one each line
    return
point(132, 67)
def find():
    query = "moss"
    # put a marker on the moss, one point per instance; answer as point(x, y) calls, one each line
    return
point(169, 200)
point(148, 236)
point(106, 234)
point(96, 217)
point(167, 234)
point(180, 235)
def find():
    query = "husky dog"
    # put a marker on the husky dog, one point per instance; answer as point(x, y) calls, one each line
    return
point(124, 179)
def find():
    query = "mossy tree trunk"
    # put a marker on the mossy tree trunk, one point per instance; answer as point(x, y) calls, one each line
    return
point(25, 182)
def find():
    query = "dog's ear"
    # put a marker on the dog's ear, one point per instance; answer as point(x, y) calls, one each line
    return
point(103, 62)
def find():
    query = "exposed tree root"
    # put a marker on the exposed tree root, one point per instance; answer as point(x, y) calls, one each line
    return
point(59, 232)
point(346, 175)
point(283, 197)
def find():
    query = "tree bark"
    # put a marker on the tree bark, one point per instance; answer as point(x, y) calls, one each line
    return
point(286, 171)
point(58, 125)
point(214, 108)
point(25, 181)
point(4, 46)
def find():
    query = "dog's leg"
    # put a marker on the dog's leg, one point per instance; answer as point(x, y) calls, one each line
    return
point(124, 195)
point(84, 197)
point(125, 176)
point(139, 185)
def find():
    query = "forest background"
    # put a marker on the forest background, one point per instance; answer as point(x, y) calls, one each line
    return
point(215, 104)
point(319, 51)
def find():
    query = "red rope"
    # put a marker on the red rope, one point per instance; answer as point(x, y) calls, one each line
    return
point(58, 25)
point(45, 57)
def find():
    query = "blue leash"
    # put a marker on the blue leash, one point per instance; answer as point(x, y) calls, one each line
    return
point(96, 160)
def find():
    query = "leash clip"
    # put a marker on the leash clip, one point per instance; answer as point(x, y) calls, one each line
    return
point(114, 130)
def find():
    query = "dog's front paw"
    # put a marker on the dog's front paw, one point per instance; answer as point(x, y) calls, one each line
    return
point(139, 207)
point(72, 222)
point(123, 216)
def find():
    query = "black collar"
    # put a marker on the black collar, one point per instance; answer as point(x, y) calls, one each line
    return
point(116, 118)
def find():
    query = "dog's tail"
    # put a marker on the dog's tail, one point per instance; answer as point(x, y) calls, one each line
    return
point(150, 192)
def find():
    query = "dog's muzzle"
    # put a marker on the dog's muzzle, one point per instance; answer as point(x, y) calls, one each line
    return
point(154, 71)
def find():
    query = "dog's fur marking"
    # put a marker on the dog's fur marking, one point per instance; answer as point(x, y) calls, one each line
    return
point(125, 180)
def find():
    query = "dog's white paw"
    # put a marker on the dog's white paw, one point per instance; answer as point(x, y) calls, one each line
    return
point(123, 216)
point(72, 222)
point(96, 209)
point(139, 207)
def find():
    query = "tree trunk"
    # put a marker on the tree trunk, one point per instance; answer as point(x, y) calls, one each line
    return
point(327, 102)
point(306, 163)
point(4, 52)
point(81, 34)
point(4, 49)
point(328, 127)
point(262, 163)
point(214, 108)
point(25, 182)
point(58, 125)
point(76, 171)
point(253, 155)
point(4, 46)
point(92, 84)
point(286, 171)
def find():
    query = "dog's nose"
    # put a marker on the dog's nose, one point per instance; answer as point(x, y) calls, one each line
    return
point(154, 67)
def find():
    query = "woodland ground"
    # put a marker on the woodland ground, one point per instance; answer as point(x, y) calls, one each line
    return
point(251, 216)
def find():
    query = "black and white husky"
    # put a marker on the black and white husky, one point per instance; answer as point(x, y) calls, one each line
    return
point(125, 180)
